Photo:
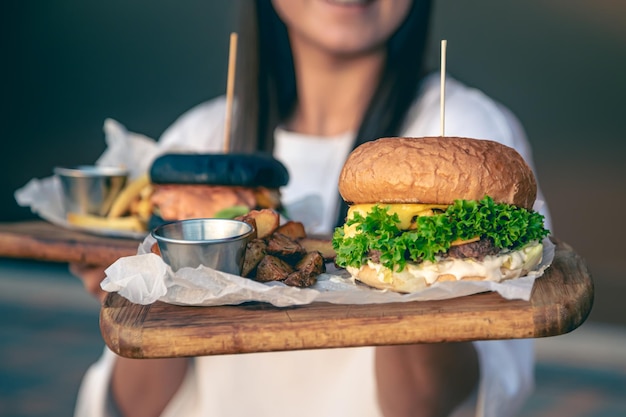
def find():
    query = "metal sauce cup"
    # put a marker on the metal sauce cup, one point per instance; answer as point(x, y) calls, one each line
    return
point(219, 244)
point(89, 189)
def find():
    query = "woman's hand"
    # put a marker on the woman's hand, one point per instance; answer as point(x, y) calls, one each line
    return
point(92, 276)
point(427, 380)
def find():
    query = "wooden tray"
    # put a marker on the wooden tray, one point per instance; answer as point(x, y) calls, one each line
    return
point(43, 241)
point(560, 302)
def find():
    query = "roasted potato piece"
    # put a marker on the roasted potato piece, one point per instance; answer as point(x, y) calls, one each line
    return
point(285, 248)
point(272, 268)
point(266, 221)
point(300, 279)
point(312, 263)
point(252, 222)
point(323, 246)
point(255, 252)
point(307, 270)
point(276, 254)
point(292, 229)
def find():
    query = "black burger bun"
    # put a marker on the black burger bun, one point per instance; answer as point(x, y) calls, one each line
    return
point(245, 170)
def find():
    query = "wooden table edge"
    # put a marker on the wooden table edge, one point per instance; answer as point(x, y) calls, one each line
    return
point(40, 240)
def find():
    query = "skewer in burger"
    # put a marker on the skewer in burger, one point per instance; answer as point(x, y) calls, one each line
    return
point(214, 185)
point(433, 209)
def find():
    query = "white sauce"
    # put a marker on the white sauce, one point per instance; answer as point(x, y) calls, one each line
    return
point(493, 268)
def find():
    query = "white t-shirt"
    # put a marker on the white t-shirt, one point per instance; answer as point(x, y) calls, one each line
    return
point(329, 382)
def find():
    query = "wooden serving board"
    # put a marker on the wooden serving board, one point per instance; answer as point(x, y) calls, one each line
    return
point(43, 241)
point(561, 300)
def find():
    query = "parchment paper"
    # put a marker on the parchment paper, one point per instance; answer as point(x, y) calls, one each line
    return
point(124, 149)
point(145, 278)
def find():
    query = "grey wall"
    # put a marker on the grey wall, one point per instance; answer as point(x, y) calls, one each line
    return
point(559, 65)
point(73, 63)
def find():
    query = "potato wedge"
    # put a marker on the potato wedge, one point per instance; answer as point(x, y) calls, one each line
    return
point(285, 248)
point(272, 268)
point(323, 246)
point(292, 229)
point(255, 252)
point(266, 221)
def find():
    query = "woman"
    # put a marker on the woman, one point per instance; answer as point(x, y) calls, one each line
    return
point(323, 76)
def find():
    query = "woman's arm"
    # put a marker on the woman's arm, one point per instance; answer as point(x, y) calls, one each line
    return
point(425, 380)
point(144, 387)
point(91, 276)
point(139, 387)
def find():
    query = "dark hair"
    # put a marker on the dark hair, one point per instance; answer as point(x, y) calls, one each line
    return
point(266, 92)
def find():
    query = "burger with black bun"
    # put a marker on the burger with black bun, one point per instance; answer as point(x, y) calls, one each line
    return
point(433, 209)
point(189, 185)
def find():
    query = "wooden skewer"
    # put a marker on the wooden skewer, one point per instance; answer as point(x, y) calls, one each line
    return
point(230, 88)
point(442, 108)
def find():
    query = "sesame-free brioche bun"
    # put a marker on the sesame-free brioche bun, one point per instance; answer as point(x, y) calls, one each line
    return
point(436, 170)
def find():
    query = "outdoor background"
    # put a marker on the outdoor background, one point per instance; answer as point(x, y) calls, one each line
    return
point(70, 64)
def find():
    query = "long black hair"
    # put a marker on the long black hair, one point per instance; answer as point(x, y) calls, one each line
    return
point(266, 85)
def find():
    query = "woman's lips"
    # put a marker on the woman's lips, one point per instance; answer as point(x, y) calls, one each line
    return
point(350, 2)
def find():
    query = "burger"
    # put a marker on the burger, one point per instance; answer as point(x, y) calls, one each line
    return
point(433, 209)
point(186, 185)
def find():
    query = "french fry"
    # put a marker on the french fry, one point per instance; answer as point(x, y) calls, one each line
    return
point(132, 191)
point(143, 209)
point(128, 223)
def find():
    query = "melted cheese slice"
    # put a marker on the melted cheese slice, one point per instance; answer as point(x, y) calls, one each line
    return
point(406, 213)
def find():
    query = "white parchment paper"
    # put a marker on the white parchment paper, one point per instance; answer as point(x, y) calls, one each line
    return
point(145, 278)
point(124, 149)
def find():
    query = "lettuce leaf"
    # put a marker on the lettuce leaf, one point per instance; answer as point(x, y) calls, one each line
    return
point(509, 227)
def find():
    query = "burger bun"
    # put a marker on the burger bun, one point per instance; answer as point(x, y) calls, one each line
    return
point(436, 170)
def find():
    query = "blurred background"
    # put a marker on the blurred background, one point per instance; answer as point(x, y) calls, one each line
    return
point(70, 64)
